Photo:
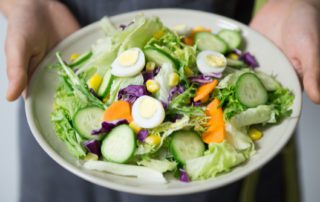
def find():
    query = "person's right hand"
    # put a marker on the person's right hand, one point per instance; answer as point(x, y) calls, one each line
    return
point(34, 27)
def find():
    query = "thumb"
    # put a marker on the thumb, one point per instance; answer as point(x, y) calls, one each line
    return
point(17, 60)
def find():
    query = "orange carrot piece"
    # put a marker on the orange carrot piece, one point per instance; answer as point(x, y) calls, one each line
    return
point(216, 135)
point(118, 110)
point(205, 90)
point(216, 130)
point(188, 40)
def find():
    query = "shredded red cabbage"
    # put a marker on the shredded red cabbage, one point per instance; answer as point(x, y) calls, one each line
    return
point(142, 135)
point(93, 146)
point(184, 176)
point(247, 57)
point(132, 92)
point(108, 126)
point(93, 92)
point(150, 74)
point(123, 26)
point(175, 91)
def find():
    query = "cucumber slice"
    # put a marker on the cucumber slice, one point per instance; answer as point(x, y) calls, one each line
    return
point(238, 64)
point(250, 90)
point(106, 84)
point(119, 145)
point(186, 145)
point(88, 119)
point(270, 83)
point(232, 37)
point(160, 57)
point(81, 59)
point(209, 41)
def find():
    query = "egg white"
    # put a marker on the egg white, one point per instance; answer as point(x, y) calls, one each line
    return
point(156, 119)
point(205, 68)
point(126, 71)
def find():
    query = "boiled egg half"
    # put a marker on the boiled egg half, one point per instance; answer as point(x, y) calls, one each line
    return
point(209, 62)
point(128, 63)
point(147, 112)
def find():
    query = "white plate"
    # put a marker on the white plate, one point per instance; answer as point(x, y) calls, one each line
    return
point(42, 89)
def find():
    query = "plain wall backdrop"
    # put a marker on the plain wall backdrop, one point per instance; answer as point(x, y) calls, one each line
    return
point(308, 142)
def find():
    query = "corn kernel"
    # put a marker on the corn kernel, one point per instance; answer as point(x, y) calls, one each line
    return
point(153, 139)
point(95, 82)
point(188, 72)
point(152, 86)
point(200, 29)
point(150, 66)
point(134, 127)
point(158, 34)
point(233, 56)
point(105, 99)
point(255, 134)
point(74, 56)
point(91, 157)
point(174, 79)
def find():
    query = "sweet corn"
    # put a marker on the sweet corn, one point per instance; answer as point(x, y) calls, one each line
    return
point(233, 56)
point(134, 127)
point(91, 157)
point(174, 79)
point(200, 29)
point(188, 71)
point(150, 66)
point(152, 86)
point(95, 82)
point(74, 56)
point(158, 34)
point(153, 139)
point(105, 99)
point(255, 134)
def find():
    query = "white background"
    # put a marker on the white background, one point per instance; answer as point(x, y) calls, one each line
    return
point(308, 142)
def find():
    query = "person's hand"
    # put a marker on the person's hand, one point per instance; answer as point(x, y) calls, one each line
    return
point(294, 26)
point(34, 27)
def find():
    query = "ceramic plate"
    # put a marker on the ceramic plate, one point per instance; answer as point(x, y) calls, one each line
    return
point(44, 82)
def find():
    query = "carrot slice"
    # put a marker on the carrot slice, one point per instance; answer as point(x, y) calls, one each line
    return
point(188, 40)
point(216, 135)
point(216, 130)
point(205, 90)
point(118, 110)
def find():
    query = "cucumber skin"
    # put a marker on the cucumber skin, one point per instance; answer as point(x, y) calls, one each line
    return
point(105, 93)
point(262, 88)
point(75, 125)
point(223, 51)
point(174, 62)
point(81, 59)
point(132, 153)
point(173, 150)
point(222, 33)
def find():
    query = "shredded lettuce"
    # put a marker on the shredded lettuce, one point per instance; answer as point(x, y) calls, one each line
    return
point(281, 100)
point(162, 165)
point(220, 157)
point(162, 79)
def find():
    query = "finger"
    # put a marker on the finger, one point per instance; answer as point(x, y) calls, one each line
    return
point(311, 72)
point(17, 59)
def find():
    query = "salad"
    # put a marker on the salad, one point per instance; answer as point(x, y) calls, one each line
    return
point(146, 100)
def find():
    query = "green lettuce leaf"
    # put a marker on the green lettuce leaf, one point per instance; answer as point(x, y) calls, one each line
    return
point(281, 100)
point(162, 79)
point(163, 165)
point(220, 157)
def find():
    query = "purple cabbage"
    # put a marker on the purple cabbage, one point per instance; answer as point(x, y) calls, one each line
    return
point(165, 105)
point(150, 74)
point(175, 91)
point(175, 117)
point(93, 146)
point(93, 92)
point(184, 176)
point(123, 26)
point(204, 79)
point(196, 104)
point(142, 135)
point(132, 92)
point(108, 126)
point(247, 57)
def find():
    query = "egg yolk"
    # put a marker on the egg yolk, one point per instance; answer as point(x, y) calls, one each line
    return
point(147, 107)
point(215, 61)
point(128, 58)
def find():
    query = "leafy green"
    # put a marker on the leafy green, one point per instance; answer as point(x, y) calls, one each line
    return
point(220, 157)
point(229, 102)
point(162, 165)
point(281, 100)
point(162, 79)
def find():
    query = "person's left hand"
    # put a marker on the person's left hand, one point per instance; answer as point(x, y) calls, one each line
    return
point(293, 25)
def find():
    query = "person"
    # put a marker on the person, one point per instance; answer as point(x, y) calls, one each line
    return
point(36, 26)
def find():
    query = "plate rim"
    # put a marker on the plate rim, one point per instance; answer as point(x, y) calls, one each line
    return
point(128, 188)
